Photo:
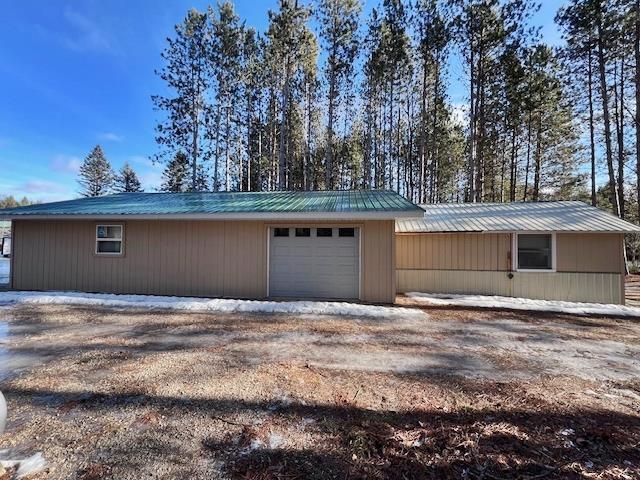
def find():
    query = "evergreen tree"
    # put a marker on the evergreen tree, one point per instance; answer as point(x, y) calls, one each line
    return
point(227, 36)
point(10, 202)
point(264, 118)
point(176, 175)
point(188, 112)
point(96, 176)
point(127, 180)
point(288, 43)
point(338, 28)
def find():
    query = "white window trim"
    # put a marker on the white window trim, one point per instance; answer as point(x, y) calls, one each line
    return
point(121, 240)
point(514, 253)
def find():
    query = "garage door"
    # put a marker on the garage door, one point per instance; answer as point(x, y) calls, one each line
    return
point(314, 262)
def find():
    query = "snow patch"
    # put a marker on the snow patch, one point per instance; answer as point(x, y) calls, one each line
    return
point(514, 303)
point(276, 441)
point(5, 266)
point(207, 304)
point(27, 466)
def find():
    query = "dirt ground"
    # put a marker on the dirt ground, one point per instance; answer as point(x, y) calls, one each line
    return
point(107, 393)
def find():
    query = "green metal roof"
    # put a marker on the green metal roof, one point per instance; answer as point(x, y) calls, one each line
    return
point(231, 204)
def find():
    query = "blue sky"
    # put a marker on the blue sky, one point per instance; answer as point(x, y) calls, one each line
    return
point(74, 74)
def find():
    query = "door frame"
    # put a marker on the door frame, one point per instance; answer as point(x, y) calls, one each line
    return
point(270, 226)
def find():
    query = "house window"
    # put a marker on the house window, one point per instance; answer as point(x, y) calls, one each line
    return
point(280, 232)
point(303, 232)
point(109, 239)
point(324, 232)
point(535, 251)
point(346, 232)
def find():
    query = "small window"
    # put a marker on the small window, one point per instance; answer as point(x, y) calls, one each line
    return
point(535, 251)
point(109, 239)
point(324, 232)
point(280, 232)
point(303, 232)
point(346, 232)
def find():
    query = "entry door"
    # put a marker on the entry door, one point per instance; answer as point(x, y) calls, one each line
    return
point(314, 262)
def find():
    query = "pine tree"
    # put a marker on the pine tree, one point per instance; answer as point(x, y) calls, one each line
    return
point(96, 174)
point(288, 39)
point(338, 28)
point(187, 73)
point(176, 175)
point(227, 36)
point(127, 180)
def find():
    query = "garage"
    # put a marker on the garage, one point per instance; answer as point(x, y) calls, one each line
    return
point(314, 262)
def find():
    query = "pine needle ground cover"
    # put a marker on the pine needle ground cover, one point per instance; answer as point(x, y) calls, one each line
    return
point(124, 393)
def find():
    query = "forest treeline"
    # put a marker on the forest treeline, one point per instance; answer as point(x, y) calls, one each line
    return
point(330, 98)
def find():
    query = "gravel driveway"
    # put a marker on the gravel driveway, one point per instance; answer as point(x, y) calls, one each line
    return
point(108, 393)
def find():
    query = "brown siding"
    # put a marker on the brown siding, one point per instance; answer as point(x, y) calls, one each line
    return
point(193, 258)
point(164, 258)
point(453, 251)
point(378, 262)
point(590, 266)
point(573, 287)
point(588, 252)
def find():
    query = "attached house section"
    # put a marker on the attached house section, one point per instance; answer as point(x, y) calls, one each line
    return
point(338, 251)
point(554, 251)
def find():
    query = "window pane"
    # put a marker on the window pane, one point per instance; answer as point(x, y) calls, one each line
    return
point(534, 252)
point(303, 232)
point(346, 232)
point(108, 246)
point(280, 232)
point(324, 232)
point(111, 231)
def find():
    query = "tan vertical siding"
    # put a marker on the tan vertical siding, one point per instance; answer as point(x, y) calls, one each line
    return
point(488, 251)
point(574, 287)
point(589, 267)
point(193, 258)
point(378, 262)
point(588, 252)
point(164, 258)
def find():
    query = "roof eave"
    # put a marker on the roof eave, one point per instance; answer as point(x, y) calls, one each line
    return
point(412, 232)
point(379, 215)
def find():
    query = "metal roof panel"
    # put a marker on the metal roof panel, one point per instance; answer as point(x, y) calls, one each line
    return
point(563, 216)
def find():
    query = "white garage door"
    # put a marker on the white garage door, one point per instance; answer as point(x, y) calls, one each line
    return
point(314, 262)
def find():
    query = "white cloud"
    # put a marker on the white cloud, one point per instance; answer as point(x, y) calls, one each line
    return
point(66, 164)
point(39, 190)
point(89, 37)
point(41, 186)
point(110, 137)
point(151, 180)
point(142, 160)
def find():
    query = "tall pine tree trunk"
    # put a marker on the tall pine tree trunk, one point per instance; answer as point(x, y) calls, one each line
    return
point(526, 170)
point(282, 165)
point(512, 172)
point(216, 159)
point(423, 134)
point(390, 136)
point(620, 137)
point(472, 120)
point(328, 173)
point(602, 68)
point(227, 156)
point(195, 118)
point(636, 47)
point(592, 142)
point(538, 160)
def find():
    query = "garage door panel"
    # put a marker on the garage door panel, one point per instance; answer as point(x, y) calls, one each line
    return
point(314, 266)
